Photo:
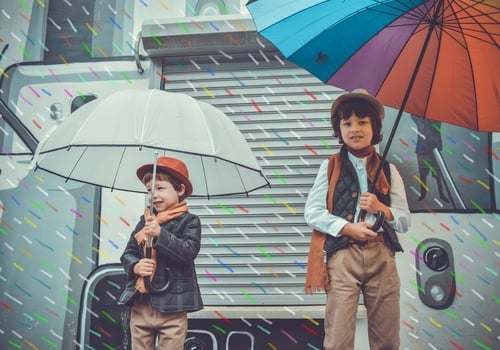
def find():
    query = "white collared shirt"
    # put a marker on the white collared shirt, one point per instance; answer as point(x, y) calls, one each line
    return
point(318, 217)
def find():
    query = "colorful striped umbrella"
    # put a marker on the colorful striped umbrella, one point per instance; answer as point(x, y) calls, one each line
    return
point(438, 59)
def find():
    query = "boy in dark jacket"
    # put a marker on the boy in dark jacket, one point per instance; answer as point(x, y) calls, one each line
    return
point(162, 284)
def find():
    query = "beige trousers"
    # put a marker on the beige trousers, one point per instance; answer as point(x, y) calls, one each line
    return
point(371, 269)
point(148, 326)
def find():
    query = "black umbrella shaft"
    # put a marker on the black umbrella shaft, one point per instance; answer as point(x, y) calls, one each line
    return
point(433, 22)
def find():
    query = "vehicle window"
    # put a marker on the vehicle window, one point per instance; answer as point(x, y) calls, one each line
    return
point(439, 163)
point(27, 32)
point(76, 33)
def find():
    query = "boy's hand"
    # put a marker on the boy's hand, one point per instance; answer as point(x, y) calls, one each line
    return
point(359, 230)
point(152, 227)
point(370, 203)
point(144, 267)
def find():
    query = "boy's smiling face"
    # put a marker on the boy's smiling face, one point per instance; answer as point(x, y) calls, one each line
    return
point(357, 132)
point(165, 195)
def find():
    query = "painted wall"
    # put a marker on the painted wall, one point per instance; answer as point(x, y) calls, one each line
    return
point(51, 244)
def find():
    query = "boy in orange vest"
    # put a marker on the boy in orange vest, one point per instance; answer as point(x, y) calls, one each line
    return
point(359, 258)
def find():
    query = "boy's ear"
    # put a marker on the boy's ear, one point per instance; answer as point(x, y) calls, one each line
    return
point(182, 190)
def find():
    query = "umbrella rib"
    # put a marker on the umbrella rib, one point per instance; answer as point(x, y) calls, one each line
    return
point(475, 21)
point(419, 15)
point(68, 177)
point(405, 10)
point(453, 18)
point(207, 129)
point(460, 30)
point(432, 28)
point(474, 85)
point(118, 168)
point(144, 117)
point(204, 176)
point(241, 180)
point(228, 160)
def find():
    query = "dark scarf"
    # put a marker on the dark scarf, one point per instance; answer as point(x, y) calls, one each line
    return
point(317, 276)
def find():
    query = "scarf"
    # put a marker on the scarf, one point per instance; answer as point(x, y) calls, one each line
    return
point(317, 278)
point(141, 238)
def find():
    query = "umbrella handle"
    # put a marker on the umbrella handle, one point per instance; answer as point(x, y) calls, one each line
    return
point(166, 286)
point(147, 281)
point(379, 219)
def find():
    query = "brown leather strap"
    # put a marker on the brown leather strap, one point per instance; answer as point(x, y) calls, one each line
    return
point(378, 238)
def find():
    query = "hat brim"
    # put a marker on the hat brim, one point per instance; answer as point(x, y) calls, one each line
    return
point(351, 95)
point(179, 176)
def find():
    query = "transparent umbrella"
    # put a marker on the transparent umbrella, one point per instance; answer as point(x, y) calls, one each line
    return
point(106, 140)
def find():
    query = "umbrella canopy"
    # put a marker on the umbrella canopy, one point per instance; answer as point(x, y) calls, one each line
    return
point(106, 140)
point(438, 59)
